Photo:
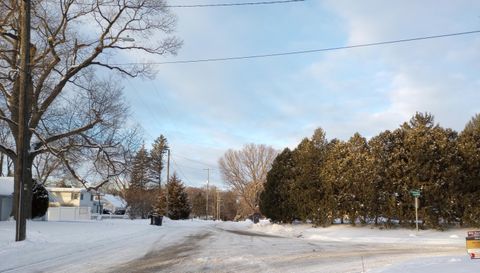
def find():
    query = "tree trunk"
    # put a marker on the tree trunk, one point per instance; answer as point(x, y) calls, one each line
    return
point(9, 167)
point(1, 164)
point(27, 204)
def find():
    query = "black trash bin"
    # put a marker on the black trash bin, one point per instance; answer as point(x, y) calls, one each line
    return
point(157, 220)
point(256, 218)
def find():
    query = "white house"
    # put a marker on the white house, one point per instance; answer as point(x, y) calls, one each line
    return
point(74, 197)
point(77, 197)
point(70, 204)
point(6, 197)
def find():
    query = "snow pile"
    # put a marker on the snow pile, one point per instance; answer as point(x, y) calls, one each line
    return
point(276, 229)
point(347, 233)
point(435, 265)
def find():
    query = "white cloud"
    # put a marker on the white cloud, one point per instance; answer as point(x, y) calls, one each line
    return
point(434, 76)
point(204, 109)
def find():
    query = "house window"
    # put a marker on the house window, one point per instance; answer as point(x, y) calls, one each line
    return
point(91, 197)
point(75, 195)
point(81, 196)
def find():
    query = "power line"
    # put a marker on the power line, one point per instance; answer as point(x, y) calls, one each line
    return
point(234, 4)
point(201, 5)
point(197, 161)
point(257, 56)
point(181, 172)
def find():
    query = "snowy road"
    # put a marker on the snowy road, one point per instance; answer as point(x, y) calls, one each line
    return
point(199, 246)
point(216, 249)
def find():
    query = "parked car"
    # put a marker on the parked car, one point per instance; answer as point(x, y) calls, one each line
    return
point(120, 212)
point(106, 211)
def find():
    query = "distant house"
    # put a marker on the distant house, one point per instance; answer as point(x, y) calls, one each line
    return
point(67, 197)
point(73, 197)
point(80, 197)
point(6, 197)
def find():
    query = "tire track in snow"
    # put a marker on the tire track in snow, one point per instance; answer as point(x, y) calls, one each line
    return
point(159, 260)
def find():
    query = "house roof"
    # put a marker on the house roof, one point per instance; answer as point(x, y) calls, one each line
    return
point(116, 201)
point(6, 185)
point(55, 189)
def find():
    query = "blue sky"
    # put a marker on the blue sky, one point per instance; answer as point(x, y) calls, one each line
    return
point(206, 108)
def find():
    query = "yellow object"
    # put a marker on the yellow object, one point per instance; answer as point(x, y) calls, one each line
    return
point(473, 244)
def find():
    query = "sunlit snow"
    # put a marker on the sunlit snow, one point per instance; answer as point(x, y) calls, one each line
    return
point(207, 246)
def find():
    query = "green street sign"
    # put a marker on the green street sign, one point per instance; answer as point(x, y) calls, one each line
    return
point(415, 193)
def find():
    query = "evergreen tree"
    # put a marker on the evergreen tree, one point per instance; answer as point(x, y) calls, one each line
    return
point(432, 166)
point(336, 183)
point(276, 201)
point(399, 202)
point(362, 180)
point(40, 200)
point(383, 203)
point(160, 147)
point(469, 190)
point(140, 176)
point(360, 191)
point(308, 189)
point(139, 197)
point(178, 203)
point(160, 205)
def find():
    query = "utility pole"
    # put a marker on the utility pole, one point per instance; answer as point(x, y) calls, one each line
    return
point(168, 165)
point(23, 118)
point(168, 177)
point(208, 181)
point(218, 204)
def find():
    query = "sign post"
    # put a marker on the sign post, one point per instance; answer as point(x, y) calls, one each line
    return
point(416, 194)
point(473, 244)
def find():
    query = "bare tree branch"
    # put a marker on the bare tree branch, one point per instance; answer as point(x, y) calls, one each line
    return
point(69, 133)
point(9, 152)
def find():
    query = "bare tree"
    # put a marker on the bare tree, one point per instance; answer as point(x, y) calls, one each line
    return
point(245, 171)
point(44, 166)
point(74, 114)
point(5, 138)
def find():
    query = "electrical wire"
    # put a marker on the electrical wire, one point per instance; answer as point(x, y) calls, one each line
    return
point(197, 161)
point(203, 5)
point(234, 4)
point(181, 172)
point(267, 55)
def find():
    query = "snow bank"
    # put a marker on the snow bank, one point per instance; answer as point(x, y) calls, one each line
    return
point(447, 264)
point(347, 233)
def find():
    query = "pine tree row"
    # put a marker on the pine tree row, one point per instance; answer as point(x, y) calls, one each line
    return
point(146, 195)
point(360, 181)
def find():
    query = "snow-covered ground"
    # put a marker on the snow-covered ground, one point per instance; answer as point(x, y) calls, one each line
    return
point(207, 246)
